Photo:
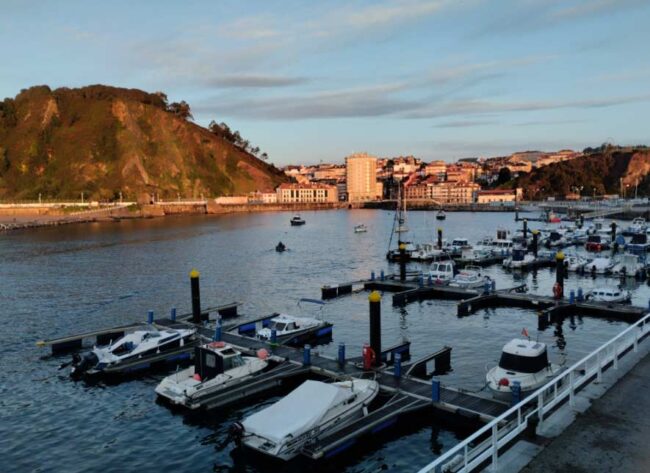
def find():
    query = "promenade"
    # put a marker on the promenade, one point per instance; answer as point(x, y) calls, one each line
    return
point(611, 436)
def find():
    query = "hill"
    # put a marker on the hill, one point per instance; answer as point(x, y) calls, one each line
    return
point(104, 140)
point(601, 171)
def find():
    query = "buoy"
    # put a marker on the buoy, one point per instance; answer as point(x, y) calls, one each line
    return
point(262, 354)
point(197, 377)
point(504, 382)
point(217, 344)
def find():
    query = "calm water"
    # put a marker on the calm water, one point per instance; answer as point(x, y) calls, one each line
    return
point(66, 280)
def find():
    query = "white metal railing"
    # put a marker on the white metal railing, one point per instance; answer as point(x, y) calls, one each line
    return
point(465, 456)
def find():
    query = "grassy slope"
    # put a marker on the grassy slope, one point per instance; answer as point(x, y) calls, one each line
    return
point(102, 140)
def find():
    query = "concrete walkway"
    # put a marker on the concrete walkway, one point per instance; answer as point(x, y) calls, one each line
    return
point(613, 435)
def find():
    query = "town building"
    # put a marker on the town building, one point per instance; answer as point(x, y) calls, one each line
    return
point(306, 193)
point(496, 195)
point(361, 176)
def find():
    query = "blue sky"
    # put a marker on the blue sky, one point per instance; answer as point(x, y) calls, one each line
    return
point(314, 81)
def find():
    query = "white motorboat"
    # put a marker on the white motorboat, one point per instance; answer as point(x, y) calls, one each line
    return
point(519, 259)
point(462, 243)
point(522, 361)
point(361, 228)
point(297, 220)
point(441, 272)
point(287, 326)
point(638, 245)
point(637, 227)
point(629, 265)
point(470, 278)
point(218, 367)
point(426, 252)
point(441, 215)
point(609, 294)
point(575, 263)
point(134, 345)
point(601, 265)
point(311, 410)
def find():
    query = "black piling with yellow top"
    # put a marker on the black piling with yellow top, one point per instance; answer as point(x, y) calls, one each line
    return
point(535, 238)
point(375, 324)
point(402, 262)
point(196, 296)
point(440, 238)
point(613, 227)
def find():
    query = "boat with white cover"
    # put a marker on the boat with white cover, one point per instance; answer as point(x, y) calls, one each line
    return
point(601, 265)
point(522, 361)
point(287, 326)
point(218, 367)
point(609, 294)
point(470, 278)
point(311, 410)
point(441, 272)
point(132, 346)
point(629, 265)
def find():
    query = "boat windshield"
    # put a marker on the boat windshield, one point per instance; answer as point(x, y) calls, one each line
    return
point(523, 364)
point(233, 362)
point(277, 325)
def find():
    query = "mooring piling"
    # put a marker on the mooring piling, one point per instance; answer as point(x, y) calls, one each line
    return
point(402, 262)
point(196, 296)
point(374, 300)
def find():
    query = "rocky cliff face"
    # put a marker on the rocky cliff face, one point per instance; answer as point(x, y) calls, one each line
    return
point(103, 140)
point(601, 172)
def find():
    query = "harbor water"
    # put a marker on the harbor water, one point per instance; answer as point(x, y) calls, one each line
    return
point(64, 280)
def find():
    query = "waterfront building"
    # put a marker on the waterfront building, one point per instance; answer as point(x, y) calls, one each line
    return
point(306, 193)
point(454, 192)
point(361, 175)
point(496, 195)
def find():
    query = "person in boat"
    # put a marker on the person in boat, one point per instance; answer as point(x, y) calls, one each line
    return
point(280, 247)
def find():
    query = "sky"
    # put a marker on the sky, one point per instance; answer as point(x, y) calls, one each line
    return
point(313, 81)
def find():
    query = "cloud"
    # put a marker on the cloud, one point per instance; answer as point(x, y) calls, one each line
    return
point(362, 102)
point(478, 107)
point(377, 15)
point(254, 81)
point(466, 123)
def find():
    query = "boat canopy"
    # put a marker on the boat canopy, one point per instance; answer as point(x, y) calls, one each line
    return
point(524, 356)
point(297, 412)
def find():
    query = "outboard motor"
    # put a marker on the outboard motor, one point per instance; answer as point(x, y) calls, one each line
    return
point(236, 432)
point(82, 364)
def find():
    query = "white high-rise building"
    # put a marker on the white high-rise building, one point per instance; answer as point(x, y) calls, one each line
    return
point(361, 175)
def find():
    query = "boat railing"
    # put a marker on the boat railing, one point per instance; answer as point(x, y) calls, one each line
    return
point(538, 407)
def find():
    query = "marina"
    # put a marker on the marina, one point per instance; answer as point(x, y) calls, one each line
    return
point(410, 384)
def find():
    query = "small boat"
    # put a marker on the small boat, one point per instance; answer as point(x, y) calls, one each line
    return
point(629, 265)
point(597, 243)
point(575, 263)
point(519, 259)
point(312, 410)
point(287, 326)
point(426, 252)
point(602, 265)
point(280, 247)
point(522, 361)
point(441, 272)
point(218, 367)
point(462, 243)
point(441, 215)
point(297, 220)
point(637, 227)
point(132, 346)
point(470, 278)
point(361, 228)
point(638, 245)
point(609, 294)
